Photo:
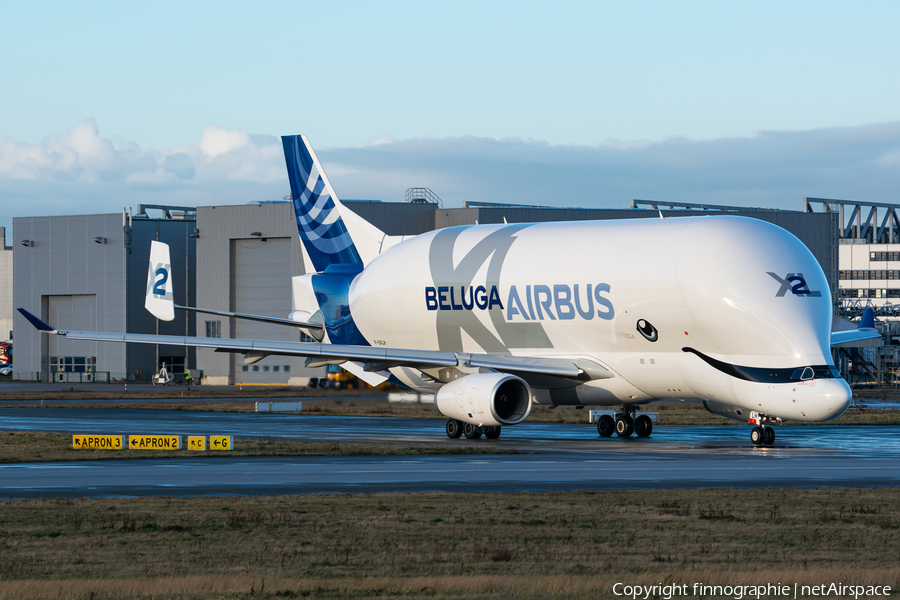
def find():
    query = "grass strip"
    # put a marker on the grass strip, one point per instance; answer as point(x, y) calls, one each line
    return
point(30, 446)
point(525, 545)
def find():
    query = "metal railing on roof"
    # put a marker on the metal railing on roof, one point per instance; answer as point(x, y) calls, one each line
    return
point(187, 213)
point(421, 194)
point(852, 225)
point(656, 205)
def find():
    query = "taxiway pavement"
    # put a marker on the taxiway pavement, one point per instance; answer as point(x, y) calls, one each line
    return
point(553, 456)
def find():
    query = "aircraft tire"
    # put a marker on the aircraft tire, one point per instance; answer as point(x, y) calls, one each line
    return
point(472, 432)
point(606, 426)
point(454, 429)
point(643, 426)
point(757, 436)
point(624, 426)
point(769, 436)
point(492, 433)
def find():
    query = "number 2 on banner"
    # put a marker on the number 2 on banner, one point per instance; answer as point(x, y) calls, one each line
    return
point(160, 287)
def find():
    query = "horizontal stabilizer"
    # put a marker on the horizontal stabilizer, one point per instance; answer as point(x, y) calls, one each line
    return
point(865, 331)
point(260, 318)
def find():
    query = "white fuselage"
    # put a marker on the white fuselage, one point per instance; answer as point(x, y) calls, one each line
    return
point(630, 295)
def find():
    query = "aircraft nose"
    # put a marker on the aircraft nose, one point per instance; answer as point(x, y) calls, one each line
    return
point(835, 398)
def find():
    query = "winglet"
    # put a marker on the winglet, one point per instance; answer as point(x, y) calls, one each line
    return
point(868, 319)
point(38, 324)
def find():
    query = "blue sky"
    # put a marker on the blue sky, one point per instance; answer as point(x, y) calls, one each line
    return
point(103, 105)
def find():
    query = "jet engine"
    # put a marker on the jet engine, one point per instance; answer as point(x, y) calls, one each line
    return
point(486, 399)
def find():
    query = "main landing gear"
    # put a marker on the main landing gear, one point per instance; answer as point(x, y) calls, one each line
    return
point(455, 429)
point(625, 424)
point(762, 434)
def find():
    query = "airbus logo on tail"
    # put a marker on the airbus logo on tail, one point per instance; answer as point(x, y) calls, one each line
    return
point(796, 284)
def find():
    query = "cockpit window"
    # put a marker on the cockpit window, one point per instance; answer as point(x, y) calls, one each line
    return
point(764, 375)
point(804, 374)
point(817, 372)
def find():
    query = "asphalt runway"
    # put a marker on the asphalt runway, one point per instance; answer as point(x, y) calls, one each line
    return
point(553, 456)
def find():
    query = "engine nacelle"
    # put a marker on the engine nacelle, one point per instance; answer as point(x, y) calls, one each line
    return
point(486, 399)
point(725, 410)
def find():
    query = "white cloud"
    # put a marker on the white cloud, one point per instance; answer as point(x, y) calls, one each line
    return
point(383, 139)
point(82, 154)
point(216, 140)
point(769, 168)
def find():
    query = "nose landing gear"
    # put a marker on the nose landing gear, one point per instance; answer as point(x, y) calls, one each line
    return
point(762, 434)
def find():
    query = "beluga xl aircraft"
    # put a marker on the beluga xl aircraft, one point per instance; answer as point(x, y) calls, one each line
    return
point(730, 311)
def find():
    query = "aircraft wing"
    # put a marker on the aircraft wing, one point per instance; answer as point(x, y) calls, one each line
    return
point(865, 331)
point(371, 358)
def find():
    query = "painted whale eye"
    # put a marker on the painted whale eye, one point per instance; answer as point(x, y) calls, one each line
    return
point(647, 330)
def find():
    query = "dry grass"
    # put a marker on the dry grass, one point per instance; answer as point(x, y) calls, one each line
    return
point(160, 392)
point(234, 406)
point(458, 587)
point(30, 446)
point(570, 545)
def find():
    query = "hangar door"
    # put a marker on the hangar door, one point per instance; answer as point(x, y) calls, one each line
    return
point(73, 360)
point(261, 285)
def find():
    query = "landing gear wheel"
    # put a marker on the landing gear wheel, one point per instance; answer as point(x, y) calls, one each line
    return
point(757, 436)
point(606, 426)
point(492, 433)
point(472, 432)
point(624, 426)
point(454, 429)
point(769, 437)
point(643, 426)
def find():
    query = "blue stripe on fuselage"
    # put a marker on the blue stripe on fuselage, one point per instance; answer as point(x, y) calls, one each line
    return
point(332, 289)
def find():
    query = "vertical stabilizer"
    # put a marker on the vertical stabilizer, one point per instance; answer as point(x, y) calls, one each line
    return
point(331, 233)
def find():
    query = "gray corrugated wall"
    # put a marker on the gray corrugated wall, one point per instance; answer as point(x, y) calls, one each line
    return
point(396, 218)
point(64, 261)
point(218, 226)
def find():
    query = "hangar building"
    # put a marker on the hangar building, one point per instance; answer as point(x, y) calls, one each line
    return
point(6, 291)
point(89, 272)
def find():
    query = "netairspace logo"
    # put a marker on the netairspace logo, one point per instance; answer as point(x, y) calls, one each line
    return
point(740, 592)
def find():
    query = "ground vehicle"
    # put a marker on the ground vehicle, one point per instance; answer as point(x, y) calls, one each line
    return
point(6, 369)
point(339, 379)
